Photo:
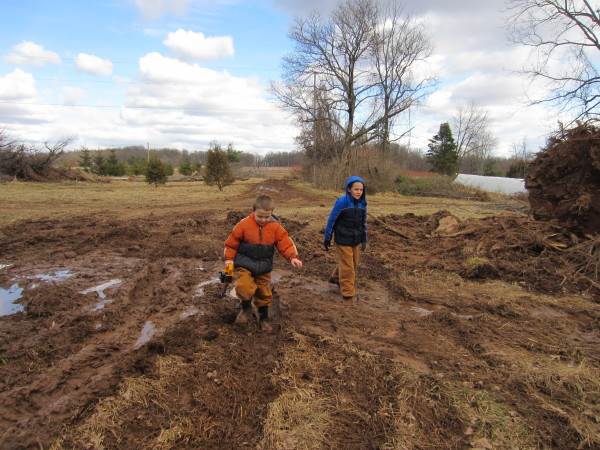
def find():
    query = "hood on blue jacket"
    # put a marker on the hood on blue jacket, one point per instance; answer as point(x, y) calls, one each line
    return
point(352, 180)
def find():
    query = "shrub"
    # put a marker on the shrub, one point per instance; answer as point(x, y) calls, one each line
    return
point(156, 172)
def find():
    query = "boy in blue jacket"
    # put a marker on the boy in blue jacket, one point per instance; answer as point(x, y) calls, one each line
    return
point(348, 224)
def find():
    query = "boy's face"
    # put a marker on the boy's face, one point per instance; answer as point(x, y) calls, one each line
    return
point(356, 190)
point(262, 216)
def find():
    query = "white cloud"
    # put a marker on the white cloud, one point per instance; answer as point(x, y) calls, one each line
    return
point(192, 46)
point(153, 9)
point(20, 102)
point(30, 54)
point(18, 85)
point(72, 95)
point(186, 103)
point(305, 6)
point(93, 64)
point(119, 79)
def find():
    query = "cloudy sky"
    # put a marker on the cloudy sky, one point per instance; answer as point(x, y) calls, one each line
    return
point(182, 73)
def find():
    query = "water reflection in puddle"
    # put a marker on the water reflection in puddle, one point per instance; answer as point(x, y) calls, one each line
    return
point(420, 310)
point(267, 188)
point(101, 287)
point(57, 276)
point(7, 299)
point(189, 313)
point(99, 305)
point(146, 334)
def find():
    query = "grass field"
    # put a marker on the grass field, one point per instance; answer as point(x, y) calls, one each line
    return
point(23, 201)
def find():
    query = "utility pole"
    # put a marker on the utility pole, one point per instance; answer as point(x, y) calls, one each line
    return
point(148, 147)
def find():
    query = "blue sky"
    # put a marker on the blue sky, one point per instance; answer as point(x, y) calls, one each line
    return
point(182, 73)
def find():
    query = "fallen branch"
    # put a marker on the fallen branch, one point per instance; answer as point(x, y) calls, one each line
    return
point(460, 233)
point(387, 227)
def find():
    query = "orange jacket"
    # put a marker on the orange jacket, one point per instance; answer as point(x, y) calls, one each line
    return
point(252, 246)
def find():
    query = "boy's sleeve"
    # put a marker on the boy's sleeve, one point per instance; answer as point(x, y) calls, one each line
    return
point(365, 236)
point(285, 245)
point(335, 211)
point(232, 244)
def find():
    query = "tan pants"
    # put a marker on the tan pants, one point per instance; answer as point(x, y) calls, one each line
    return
point(345, 271)
point(256, 286)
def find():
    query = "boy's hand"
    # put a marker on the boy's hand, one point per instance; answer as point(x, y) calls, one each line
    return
point(295, 262)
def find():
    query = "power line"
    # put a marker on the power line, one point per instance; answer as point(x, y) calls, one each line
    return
point(128, 82)
point(61, 58)
point(175, 108)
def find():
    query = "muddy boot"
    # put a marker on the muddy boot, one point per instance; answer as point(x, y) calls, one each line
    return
point(334, 281)
point(246, 312)
point(263, 319)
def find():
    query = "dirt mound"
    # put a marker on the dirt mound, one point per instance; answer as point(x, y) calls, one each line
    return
point(564, 180)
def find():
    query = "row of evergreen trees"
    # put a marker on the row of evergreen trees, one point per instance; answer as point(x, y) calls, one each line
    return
point(217, 170)
point(109, 165)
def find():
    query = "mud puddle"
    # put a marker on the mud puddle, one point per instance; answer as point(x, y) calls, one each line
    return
point(8, 297)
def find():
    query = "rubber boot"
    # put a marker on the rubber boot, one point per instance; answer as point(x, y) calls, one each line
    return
point(246, 312)
point(263, 319)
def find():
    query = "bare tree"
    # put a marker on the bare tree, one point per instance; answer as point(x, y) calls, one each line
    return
point(398, 45)
point(469, 122)
point(482, 149)
point(564, 41)
point(337, 71)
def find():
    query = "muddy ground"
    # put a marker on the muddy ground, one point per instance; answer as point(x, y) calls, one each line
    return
point(482, 333)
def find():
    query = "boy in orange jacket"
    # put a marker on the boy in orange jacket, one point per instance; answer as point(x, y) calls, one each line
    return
point(251, 247)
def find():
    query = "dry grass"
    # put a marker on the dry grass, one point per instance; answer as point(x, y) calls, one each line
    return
point(391, 203)
point(560, 386)
point(298, 419)
point(485, 416)
point(22, 201)
point(33, 201)
point(139, 400)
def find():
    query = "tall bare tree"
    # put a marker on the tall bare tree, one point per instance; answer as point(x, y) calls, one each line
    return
point(564, 41)
point(473, 136)
point(354, 70)
point(398, 46)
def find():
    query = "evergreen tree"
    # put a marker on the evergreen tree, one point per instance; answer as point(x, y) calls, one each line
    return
point(112, 165)
point(518, 169)
point(85, 160)
point(98, 163)
point(233, 155)
point(156, 172)
point(490, 168)
point(137, 165)
point(169, 168)
point(185, 168)
point(196, 166)
point(442, 154)
point(217, 170)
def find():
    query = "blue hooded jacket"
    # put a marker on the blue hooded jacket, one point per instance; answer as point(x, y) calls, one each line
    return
point(348, 219)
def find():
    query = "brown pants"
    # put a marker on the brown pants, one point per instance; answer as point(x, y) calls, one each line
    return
point(345, 271)
point(256, 286)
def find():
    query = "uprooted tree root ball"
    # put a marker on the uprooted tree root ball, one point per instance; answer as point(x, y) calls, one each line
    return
point(564, 180)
